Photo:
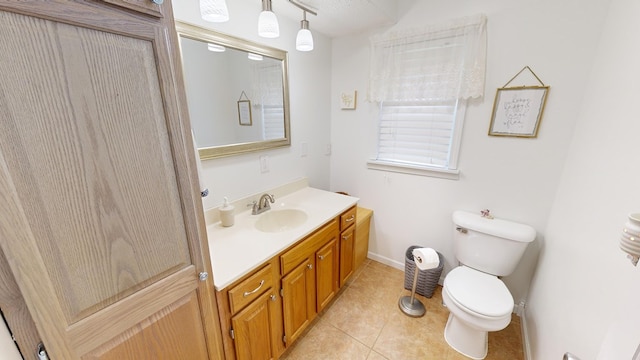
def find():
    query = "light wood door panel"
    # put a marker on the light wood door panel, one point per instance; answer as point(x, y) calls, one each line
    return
point(16, 313)
point(327, 273)
point(347, 254)
point(252, 328)
point(107, 215)
point(172, 325)
point(299, 300)
point(99, 223)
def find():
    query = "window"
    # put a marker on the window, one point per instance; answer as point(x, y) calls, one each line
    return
point(422, 79)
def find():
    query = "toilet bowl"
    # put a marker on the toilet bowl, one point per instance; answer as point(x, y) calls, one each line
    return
point(478, 303)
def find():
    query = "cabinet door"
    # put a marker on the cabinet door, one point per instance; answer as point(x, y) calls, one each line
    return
point(252, 329)
point(347, 254)
point(326, 273)
point(101, 222)
point(299, 299)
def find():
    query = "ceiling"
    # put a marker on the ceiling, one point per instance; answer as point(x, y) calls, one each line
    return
point(341, 17)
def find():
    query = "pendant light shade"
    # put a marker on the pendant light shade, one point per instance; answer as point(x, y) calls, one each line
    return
point(267, 22)
point(304, 40)
point(214, 10)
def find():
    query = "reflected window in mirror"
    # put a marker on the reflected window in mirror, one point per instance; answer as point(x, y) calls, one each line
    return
point(237, 92)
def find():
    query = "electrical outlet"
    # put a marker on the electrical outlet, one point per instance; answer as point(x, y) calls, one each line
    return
point(328, 150)
point(264, 164)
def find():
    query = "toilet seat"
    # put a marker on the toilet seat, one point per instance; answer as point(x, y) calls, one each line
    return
point(478, 292)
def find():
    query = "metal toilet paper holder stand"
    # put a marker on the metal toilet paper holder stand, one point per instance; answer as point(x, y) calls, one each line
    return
point(409, 304)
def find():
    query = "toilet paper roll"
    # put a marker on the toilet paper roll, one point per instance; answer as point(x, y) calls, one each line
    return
point(426, 258)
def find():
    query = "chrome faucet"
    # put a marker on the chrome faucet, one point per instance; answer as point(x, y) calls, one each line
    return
point(262, 204)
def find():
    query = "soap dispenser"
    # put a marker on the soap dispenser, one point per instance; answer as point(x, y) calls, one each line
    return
point(226, 214)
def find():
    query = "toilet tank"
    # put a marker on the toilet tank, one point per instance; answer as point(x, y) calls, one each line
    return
point(493, 246)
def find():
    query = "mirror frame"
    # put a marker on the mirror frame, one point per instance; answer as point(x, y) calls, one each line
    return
point(202, 34)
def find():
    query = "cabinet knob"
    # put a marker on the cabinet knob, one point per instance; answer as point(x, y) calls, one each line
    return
point(273, 297)
point(310, 266)
point(157, 2)
point(203, 276)
point(321, 257)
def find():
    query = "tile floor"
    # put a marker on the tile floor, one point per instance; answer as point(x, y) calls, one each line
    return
point(364, 322)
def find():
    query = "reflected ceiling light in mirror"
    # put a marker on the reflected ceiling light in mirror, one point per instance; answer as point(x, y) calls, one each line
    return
point(254, 57)
point(267, 22)
point(214, 10)
point(304, 40)
point(215, 47)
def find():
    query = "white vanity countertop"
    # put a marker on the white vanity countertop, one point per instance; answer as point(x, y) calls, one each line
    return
point(239, 249)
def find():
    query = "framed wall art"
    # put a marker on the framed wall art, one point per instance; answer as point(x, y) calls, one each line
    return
point(348, 100)
point(244, 111)
point(517, 111)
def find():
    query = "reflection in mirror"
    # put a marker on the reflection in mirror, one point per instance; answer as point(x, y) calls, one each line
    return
point(237, 92)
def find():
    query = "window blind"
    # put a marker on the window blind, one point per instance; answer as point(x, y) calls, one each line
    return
point(417, 134)
point(273, 120)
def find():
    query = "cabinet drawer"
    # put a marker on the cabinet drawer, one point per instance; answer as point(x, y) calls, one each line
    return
point(348, 218)
point(308, 246)
point(248, 290)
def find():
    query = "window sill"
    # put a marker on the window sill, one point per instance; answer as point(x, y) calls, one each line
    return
point(413, 170)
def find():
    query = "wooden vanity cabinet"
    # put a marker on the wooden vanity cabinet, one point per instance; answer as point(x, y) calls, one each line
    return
point(347, 244)
point(258, 322)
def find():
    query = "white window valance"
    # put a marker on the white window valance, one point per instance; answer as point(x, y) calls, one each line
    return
point(435, 63)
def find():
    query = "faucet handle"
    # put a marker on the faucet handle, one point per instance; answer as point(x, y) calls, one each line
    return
point(254, 207)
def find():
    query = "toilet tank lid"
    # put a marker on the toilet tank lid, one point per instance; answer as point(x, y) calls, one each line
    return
point(495, 227)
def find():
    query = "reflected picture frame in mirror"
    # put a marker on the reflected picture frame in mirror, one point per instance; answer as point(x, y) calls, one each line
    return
point(213, 98)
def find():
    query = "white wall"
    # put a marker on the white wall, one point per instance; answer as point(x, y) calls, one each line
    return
point(515, 178)
point(584, 297)
point(309, 86)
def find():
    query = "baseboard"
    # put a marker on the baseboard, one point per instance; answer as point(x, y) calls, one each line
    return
point(394, 264)
point(526, 345)
point(385, 260)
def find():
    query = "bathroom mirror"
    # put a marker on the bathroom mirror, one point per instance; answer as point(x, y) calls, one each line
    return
point(237, 92)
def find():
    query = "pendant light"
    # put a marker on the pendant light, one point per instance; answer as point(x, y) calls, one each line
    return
point(214, 10)
point(267, 22)
point(304, 40)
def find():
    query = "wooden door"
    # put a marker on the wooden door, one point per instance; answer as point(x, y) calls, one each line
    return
point(347, 254)
point(253, 329)
point(326, 274)
point(101, 222)
point(299, 300)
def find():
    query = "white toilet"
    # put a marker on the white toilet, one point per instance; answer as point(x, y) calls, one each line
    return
point(478, 300)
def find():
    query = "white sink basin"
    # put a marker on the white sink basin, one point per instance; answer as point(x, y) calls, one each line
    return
point(280, 220)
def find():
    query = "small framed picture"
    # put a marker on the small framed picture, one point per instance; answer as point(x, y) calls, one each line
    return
point(517, 111)
point(348, 100)
point(244, 112)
